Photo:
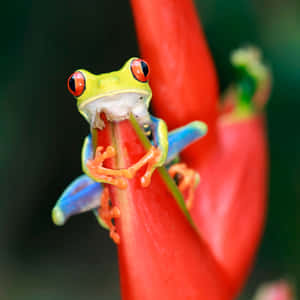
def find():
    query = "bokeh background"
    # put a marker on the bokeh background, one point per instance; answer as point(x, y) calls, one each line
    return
point(41, 132)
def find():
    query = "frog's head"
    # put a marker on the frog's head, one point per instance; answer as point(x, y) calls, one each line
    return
point(117, 94)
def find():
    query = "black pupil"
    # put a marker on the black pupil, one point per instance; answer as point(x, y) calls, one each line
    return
point(72, 84)
point(144, 68)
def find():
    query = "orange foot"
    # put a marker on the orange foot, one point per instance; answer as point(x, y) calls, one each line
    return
point(151, 158)
point(117, 177)
point(107, 213)
point(188, 179)
point(99, 173)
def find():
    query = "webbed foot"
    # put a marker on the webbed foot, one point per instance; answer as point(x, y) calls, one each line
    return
point(102, 174)
point(151, 158)
point(188, 181)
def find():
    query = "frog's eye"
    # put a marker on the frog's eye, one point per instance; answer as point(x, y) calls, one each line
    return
point(76, 84)
point(140, 70)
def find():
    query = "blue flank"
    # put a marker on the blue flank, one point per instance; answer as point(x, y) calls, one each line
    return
point(81, 195)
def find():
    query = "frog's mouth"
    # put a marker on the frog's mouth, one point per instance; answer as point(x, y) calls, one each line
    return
point(116, 108)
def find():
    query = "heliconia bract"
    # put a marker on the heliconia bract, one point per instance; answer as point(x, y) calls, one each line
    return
point(161, 255)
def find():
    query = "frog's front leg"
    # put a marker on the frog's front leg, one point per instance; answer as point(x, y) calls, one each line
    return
point(178, 140)
point(92, 165)
point(155, 157)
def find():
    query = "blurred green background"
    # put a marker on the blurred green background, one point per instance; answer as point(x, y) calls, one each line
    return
point(42, 42)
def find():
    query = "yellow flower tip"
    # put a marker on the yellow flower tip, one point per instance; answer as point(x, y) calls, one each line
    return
point(250, 58)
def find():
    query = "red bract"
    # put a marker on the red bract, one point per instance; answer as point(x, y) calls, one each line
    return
point(164, 253)
point(229, 207)
point(161, 256)
point(230, 200)
point(183, 78)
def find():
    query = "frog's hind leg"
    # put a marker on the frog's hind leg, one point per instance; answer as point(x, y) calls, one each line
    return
point(106, 213)
point(82, 195)
point(188, 180)
point(179, 139)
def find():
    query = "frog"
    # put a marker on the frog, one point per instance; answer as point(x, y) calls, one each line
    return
point(118, 96)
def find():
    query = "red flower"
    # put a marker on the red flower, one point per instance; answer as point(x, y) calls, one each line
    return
point(230, 200)
point(164, 253)
point(161, 255)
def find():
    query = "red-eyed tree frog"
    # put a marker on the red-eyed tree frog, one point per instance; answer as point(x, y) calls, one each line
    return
point(119, 95)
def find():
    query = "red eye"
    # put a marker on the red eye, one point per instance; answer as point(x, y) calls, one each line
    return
point(140, 70)
point(76, 84)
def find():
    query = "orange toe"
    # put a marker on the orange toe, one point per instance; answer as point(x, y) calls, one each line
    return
point(150, 158)
point(118, 177)
point(107, 213)
point(187, 181)
point(102, 174)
